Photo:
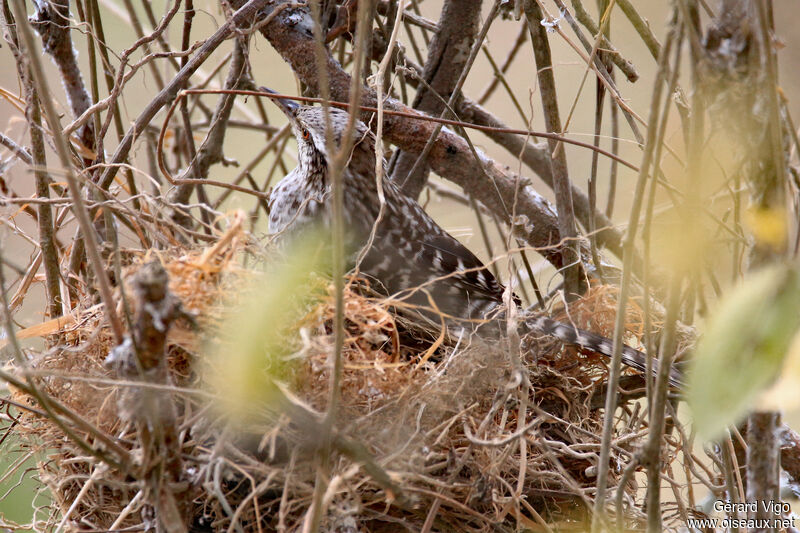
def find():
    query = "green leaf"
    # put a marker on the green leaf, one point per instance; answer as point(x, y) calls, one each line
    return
point(744, 347)
point(257, 342)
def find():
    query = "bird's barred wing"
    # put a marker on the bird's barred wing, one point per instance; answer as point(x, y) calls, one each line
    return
point(410, 249)
point(448, 256)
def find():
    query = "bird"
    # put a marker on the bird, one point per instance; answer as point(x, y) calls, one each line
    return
point(410, 256)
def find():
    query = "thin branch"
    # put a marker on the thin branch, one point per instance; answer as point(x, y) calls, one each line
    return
point(456, 92)
point(624, 65)
point(651, 454)
point(19, 151)
point(512, 53)
point(50, 405)
point(450, 156)
point(642, 27)
point(52, 22)
point(598, 517)
point(340, 159)
point(573, 282)
point(43, 180)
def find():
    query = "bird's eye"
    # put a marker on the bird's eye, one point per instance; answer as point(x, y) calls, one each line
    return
point(306, 134)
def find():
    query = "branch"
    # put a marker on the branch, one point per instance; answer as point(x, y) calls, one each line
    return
point(763, 463)
point(534, 156)
point(562, 186)
point(446, 60)
point(143, 358)
point(19, 151)
point(624, 65)
point(598, 517)
point(210, 151)
point(79, 207)
point(38, 159)
point(51, 21)
point(642, 27)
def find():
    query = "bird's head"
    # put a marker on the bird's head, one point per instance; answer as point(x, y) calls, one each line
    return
point(308, 125)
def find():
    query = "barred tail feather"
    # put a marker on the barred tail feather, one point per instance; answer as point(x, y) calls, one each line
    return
point(590, 341)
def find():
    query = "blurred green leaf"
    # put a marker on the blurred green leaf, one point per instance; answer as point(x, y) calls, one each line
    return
point(782, 395)
point(258, 338)
point(744, 347)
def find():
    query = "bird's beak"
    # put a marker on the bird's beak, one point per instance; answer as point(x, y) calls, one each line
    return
point(289, 107)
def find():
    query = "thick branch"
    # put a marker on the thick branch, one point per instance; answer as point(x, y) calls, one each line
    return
point(537, 158)
point(763, 462)
point(447, 56)
point(534, 156)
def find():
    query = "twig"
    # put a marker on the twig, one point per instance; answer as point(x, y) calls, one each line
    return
point(642, 27)
point(512, 53)
point(412, 18)
point(137, 28)
point(623, 64)
point(47, 237)
point(51, 20)
point(50, 405)
point(378, 82)
point(451, 156)
point(651, 454)
point(19, 151)
point(115, 86)
point(39, 161)
point(649, 212)
point(456, 91)
point(339, 160)
point(488, 129)
point(603, 76)
point(210, 151)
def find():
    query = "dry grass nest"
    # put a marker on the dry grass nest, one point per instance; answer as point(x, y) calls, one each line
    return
point(433, 432)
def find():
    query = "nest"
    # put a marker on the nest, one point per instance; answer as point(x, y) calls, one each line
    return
point(432, 431)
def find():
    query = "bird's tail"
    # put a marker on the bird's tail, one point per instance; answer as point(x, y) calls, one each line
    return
point(596, 343)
